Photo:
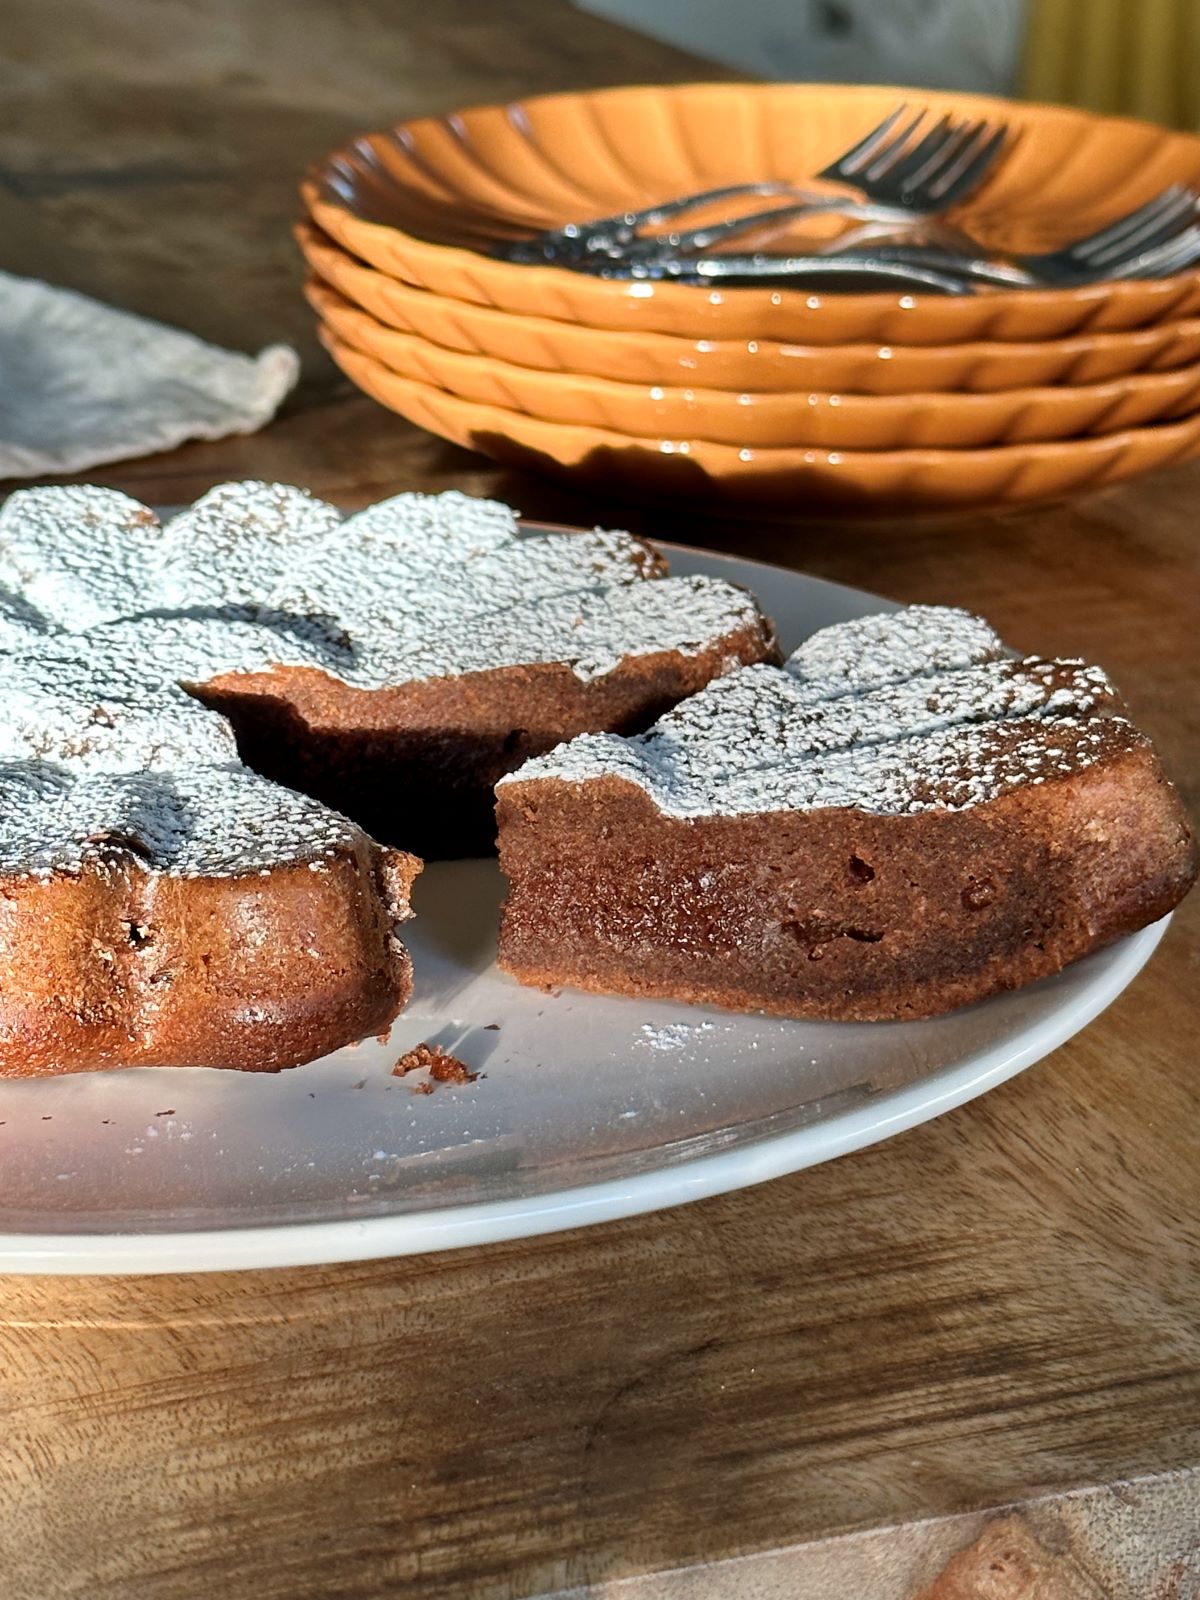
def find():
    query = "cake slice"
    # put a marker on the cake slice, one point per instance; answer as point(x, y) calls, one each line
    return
point(899, 821)
point(160, 905)
point(394, 663)
point(198, 918)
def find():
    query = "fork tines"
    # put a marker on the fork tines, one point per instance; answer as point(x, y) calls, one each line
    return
point(926, 173)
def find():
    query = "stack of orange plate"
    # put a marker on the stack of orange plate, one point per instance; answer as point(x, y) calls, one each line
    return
point(753, 395)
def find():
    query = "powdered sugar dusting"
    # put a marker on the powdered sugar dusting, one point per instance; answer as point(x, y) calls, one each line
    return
point(671, 1036)
point(102, 715)
point(841, 725)
point(215, 821)
point(107, 612)
point(76, 554)
point(891, 648)
point(416, 587)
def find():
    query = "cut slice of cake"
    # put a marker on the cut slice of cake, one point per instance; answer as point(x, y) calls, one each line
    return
point(900, 821)
point(394, 663)
point(197, 918)
point(160, 905)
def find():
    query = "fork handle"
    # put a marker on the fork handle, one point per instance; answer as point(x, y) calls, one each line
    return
point(613, 233)
point(997, 273)
point(698, 240)
point(863, 272)
point(616, 238)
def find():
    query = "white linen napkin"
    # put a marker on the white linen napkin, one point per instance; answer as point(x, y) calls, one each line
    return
point(82, 383)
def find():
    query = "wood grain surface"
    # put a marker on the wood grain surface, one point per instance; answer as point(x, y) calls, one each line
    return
point(831, 1385)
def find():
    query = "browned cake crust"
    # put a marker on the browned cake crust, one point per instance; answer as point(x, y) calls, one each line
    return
point(837, 913)
point(122, 966)
point(416, 765)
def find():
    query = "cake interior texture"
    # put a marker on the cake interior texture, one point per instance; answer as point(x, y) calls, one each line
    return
point(900, 821)
point(164, 900)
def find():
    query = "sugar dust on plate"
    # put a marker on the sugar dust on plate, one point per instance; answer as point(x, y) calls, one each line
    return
point(672, 1035)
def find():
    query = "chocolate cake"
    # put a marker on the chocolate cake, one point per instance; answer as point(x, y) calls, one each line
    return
point(160, 905)
point(899, 821)
point(395, 663)
point(163, 904)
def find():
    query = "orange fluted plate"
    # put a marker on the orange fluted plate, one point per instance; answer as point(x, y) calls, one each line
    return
point(425, 200)
point(862, 481)
point(773, 421)
point(755, 365)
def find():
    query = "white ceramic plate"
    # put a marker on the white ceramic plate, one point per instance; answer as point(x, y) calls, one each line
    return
point(586, 1109)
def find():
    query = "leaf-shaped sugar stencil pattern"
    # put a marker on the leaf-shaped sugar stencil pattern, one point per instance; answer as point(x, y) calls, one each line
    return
point(21, 624)
point(896, 713)
point(892, 647)
point(103, 714)
point(418, 586)
point(427, 532)
point(109, 618)
point(589, 630)
point(244, 542)
point(760, 717)
point(402, 582)
point(408, 616)
point(509, 606)
point(78, 555)
point(198, 821)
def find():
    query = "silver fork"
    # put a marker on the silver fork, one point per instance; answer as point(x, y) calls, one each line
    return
point(900, 180)
point(1164, 261)
point(944, 165)
point(908, 176)
point(1152, 240)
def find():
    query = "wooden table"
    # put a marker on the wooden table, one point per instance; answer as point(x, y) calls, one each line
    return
point(999, 1309)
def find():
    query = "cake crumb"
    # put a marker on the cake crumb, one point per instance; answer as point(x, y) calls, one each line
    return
point(441, 1066)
